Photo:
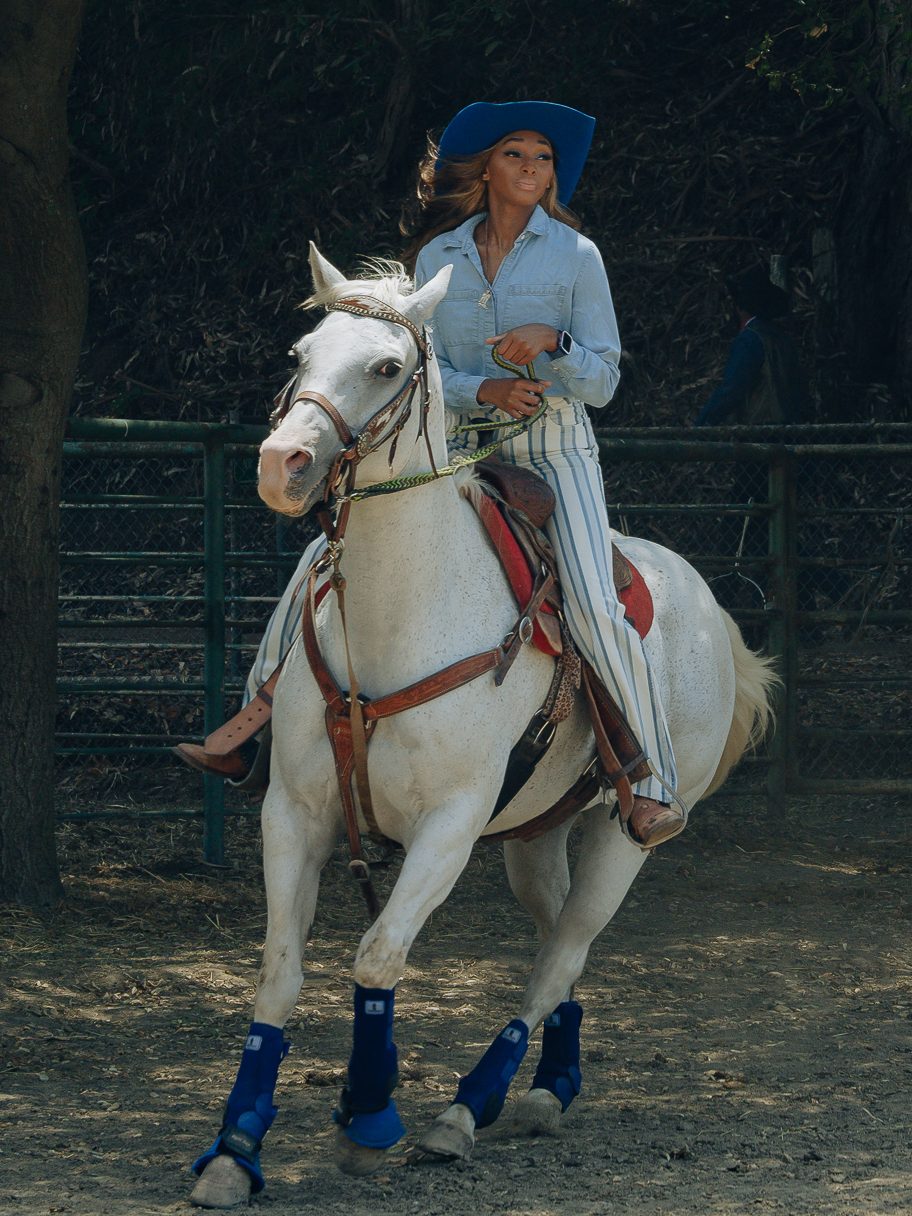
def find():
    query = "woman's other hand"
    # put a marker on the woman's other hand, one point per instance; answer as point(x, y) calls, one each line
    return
point(519, 398)
point(525, 343)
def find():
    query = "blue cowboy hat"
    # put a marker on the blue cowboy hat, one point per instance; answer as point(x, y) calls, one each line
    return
point(483, 123)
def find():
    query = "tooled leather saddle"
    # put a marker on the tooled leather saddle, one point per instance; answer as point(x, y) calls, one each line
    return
point(516, 507)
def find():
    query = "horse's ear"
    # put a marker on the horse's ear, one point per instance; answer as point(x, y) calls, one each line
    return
point(324, 273)
point(422, 303)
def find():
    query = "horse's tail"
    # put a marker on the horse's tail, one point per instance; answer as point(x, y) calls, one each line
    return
point(753, 713)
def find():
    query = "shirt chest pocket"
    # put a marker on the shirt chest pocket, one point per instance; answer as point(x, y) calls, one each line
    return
point(541, 303)
point(459, 319)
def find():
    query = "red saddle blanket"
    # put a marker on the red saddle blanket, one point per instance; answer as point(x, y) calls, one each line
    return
point(635, 597)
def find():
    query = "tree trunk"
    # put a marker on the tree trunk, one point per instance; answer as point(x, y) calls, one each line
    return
point(42, 314)
point(407, 34)
point(873, 235)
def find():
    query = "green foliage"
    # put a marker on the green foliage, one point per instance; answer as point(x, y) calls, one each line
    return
point(832, 52)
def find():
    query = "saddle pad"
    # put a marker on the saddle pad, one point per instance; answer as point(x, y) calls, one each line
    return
point(637, 600)
point(515, 567)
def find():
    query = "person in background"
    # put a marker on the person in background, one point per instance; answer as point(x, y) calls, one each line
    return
point(763, 381)
point(763, 384)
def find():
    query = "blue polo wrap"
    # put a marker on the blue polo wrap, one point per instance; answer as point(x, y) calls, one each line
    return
point(558, 1069)
point(366, 1110)
point(249, 1111)
point(484, 1089)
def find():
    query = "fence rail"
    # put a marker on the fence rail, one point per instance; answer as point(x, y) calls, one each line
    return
point(170, 566)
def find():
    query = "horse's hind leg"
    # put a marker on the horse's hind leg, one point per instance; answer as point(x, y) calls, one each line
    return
point(606, 867)
point(295, 848)
point(603, 875)
point(540, 879)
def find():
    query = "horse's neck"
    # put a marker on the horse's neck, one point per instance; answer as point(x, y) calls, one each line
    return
point(419, 579)
point(395, 541)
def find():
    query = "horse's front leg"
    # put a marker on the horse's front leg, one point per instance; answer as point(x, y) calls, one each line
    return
point(296, 846)
point(368, 1121)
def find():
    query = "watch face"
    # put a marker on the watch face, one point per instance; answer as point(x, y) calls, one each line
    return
point(564, 341)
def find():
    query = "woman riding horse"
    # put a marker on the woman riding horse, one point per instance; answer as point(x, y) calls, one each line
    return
point(493, 202)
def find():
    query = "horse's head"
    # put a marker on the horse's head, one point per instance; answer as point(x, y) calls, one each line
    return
point(360, 392)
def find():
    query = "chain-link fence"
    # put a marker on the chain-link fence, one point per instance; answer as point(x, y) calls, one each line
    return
point(809, 545)
point(170, 567)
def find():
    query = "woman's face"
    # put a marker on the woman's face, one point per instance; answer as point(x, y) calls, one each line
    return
point(520, 169)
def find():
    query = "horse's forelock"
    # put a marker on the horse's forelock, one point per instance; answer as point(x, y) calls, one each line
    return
point(382, 279)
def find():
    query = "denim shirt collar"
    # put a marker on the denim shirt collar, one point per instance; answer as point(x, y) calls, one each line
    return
point(463, 237)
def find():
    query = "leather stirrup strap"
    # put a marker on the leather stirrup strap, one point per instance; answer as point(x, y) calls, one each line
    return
point(611, 765)
point(247, 722)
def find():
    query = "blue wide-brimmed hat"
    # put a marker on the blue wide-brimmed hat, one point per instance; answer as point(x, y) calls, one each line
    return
point(483, 123)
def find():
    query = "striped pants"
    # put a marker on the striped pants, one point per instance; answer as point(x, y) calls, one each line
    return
point(561, 448)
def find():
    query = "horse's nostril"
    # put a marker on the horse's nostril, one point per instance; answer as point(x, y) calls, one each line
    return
point(298, 461)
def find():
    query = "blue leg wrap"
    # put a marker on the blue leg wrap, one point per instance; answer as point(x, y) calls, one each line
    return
point(484, 1089)
point(558, 1069)
point(249, 1111)
point(366, 1111)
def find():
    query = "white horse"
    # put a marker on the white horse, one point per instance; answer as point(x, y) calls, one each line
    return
point(423, 590)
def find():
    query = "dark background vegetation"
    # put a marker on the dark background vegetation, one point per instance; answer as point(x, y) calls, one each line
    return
point(213, 140)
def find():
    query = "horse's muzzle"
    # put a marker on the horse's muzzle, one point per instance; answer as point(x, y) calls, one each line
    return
point(284, 474)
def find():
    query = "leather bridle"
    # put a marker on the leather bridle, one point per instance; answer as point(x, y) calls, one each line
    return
point(383, 425)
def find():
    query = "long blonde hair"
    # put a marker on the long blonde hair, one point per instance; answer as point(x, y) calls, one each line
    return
point(449, 191)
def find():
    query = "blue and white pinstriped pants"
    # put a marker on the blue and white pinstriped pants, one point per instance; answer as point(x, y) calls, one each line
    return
point(562, 449)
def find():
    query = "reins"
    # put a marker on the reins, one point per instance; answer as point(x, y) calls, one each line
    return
point(510, 430)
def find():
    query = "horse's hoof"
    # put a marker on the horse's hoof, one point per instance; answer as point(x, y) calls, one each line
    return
point(451, 1137)
point(222, 1184)
point(355, 1159)
point(537, 1113)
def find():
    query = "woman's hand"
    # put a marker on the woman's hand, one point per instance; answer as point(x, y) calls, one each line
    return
point(519, 398)
point(525, 343)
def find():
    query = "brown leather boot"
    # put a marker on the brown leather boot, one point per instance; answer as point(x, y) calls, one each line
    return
point(234, 765)
point(651, 823)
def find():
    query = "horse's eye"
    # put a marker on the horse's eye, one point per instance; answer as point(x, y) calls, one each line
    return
point(389, 370)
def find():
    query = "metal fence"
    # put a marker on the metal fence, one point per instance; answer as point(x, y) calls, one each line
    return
point(170, 566)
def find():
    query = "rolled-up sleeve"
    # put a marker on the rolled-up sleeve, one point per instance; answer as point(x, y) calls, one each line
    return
point(591, 371)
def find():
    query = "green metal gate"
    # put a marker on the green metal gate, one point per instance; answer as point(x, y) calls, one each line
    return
point(170, 566)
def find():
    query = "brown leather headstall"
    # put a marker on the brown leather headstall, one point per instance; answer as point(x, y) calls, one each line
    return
point(374, 432)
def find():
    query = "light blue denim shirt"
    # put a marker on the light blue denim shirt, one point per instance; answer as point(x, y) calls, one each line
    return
point(551, 275)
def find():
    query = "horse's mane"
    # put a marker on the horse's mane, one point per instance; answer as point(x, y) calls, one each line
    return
point(381, 278)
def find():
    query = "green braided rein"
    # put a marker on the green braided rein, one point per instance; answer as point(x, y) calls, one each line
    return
point(459, 462)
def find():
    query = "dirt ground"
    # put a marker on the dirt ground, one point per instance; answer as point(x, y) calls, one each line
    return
point(746, 1048)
